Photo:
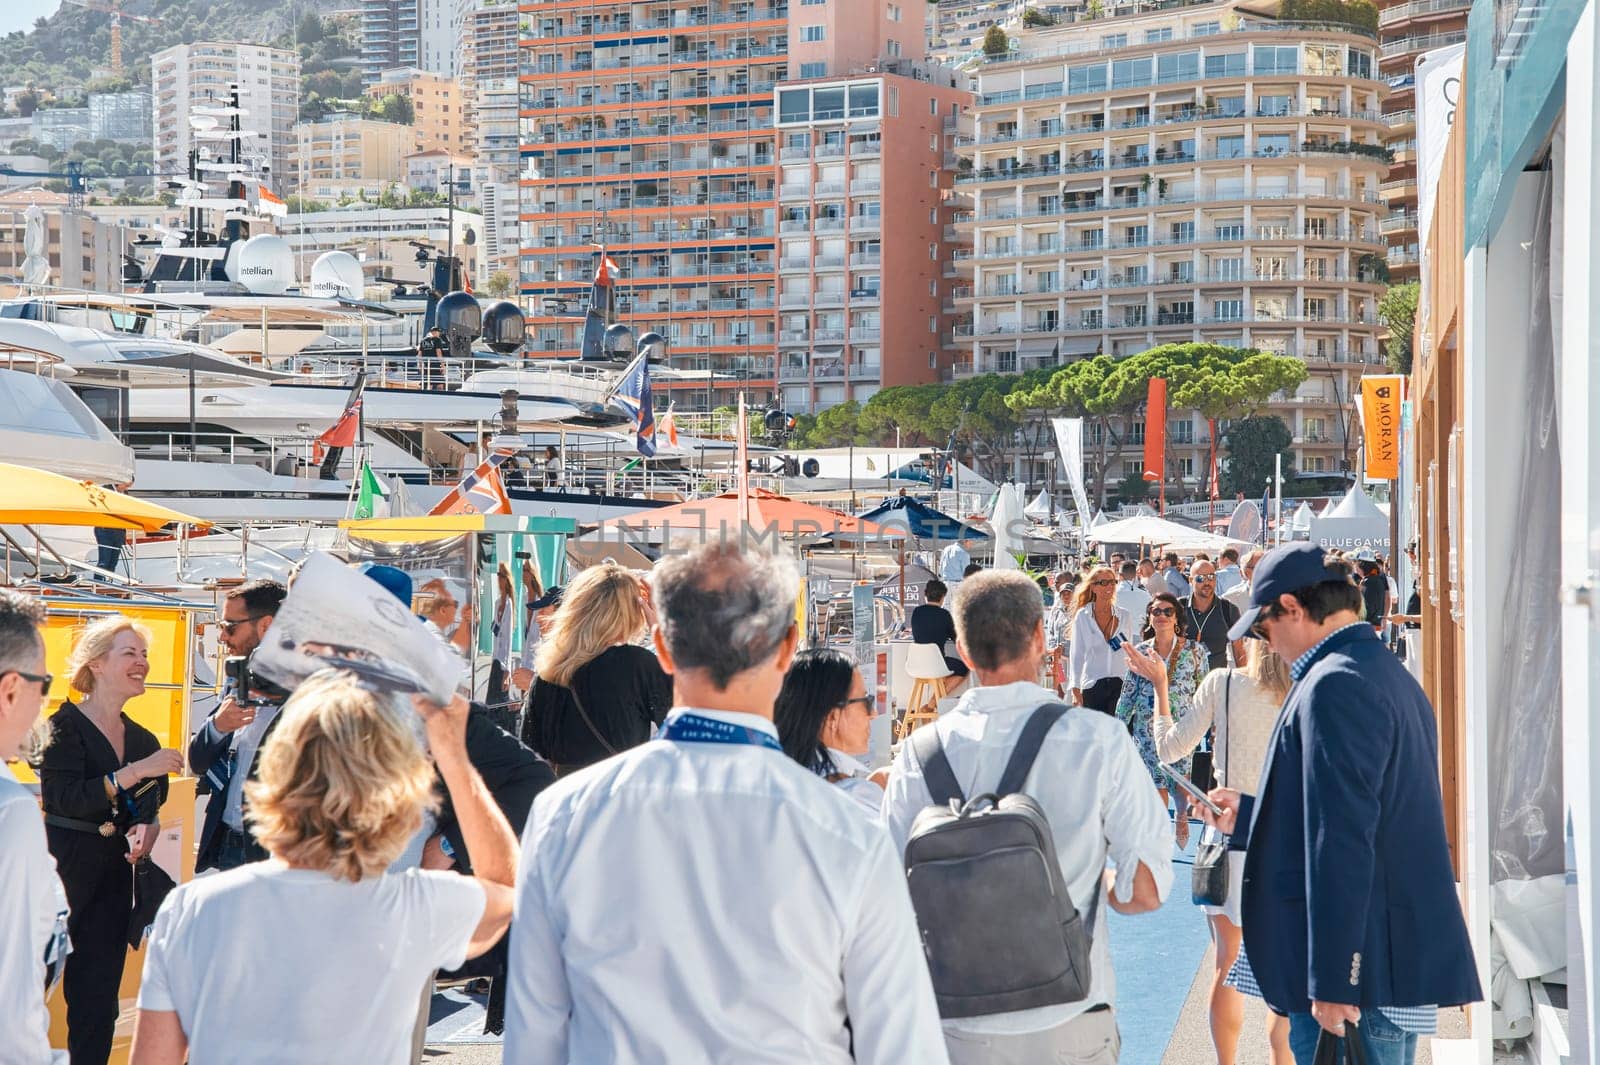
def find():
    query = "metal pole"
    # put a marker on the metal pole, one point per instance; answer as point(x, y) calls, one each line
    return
point(1277, 479)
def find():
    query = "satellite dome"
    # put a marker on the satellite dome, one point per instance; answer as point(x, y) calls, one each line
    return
point(337, 275)
point(504, 327)
point(266, 265)
point(618, 341)
point(459, 315)
point(654, 345)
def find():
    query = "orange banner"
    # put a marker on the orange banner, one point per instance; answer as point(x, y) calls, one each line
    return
point(1380, 422)
point(1155, 431)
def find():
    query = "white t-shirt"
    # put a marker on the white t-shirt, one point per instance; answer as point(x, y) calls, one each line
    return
point(269, 964)
point(33, 924)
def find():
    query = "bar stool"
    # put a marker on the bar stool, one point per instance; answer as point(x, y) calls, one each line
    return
point(926, 667)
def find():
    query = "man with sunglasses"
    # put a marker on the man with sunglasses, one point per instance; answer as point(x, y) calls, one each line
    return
point(33, 909)
point(222, 753)
point(1349, 902)
point(1206, 617)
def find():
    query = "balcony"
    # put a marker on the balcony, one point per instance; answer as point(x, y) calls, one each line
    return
point(870, 335)
point(828, 297)
point(1420, 9)
point(1398, 222)
point(866, 261)
point(865, 188)
point(829, 336)
point(865, 369)
point(1422, 42)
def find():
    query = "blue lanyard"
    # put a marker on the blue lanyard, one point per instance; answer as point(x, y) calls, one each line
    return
point(692, 728)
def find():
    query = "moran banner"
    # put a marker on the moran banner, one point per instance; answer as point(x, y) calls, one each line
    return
point(1381, 395)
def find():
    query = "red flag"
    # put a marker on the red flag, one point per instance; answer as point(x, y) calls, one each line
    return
point(466, 282)
point(1216, 480)
point(343, 432)
point(1155, 431)
point(669, 426)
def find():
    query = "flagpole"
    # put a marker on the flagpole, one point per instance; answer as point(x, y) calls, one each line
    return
point(742, 474)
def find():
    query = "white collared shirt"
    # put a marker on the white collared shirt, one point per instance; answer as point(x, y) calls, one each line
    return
point(1095, 791)
point(246, 741)
point(1131, 602)
point(1090, 657)
point(692, 901)
point(33, 922)
point(857, 782)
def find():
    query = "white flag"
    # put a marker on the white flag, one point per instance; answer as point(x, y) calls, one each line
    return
point(1069, 440)
point(1438, 82)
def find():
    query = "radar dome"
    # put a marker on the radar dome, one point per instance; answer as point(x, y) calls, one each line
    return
point(618, 341)
point(654, 345)
point(337, 275)
point(504, 327)
point(266, 265)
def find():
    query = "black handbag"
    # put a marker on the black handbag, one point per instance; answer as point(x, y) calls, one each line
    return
point(1209, 884)
point(1328, 1046)
point(151, 886)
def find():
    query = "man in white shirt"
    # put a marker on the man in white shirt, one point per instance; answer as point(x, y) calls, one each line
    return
point(1239, 594)
point(703, 897)
point(1092, 787)
point(1131, 600)
point(33, 908)
point(1228, 575)
point(953, 562)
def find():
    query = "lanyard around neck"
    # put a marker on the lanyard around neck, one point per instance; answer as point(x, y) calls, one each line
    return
point(692, 728)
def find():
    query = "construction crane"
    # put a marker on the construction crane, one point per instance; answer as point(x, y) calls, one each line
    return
point(114, 9)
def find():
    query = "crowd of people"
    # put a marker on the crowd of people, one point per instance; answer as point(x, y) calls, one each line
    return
point(701, 860)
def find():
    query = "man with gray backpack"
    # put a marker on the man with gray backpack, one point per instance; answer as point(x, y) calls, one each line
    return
point(1007, 810)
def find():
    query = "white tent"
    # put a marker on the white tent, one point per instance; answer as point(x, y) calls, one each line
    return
point(1300, 523)
point(1355, 523)
point(1041, 508)
point(1142, 529)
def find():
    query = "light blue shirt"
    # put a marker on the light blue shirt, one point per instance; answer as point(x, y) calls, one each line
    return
point(953, 562)
point(1228, 578)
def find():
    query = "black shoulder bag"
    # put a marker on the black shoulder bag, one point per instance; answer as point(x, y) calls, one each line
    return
point(1209, 886)
point(1328, 1044)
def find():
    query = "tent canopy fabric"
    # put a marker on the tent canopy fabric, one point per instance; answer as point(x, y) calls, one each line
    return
point(915, 519)
point(1142, 529)
point(1040, 509)
point(36, 497)
point(1355, 523)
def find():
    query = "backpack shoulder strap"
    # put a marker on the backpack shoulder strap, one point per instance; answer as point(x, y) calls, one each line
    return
point(936, 772)
point(1040, 722)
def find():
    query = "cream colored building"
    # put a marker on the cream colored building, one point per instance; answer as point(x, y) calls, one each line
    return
point(436, 105)
point(346, 147)
point(203, 74)
point(85, 253)
point(1194, 174)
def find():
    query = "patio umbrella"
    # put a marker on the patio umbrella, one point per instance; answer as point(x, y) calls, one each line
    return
point(35, 247)
point(35, 497)
point(915, 519)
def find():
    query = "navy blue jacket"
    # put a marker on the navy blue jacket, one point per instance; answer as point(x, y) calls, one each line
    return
point(1348, 893)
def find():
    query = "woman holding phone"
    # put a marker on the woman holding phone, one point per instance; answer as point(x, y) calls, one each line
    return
point(1185, 661)
point(1095, 665)
point(1243, 704)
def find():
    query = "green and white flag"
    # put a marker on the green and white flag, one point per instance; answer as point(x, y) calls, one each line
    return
point(372, 498)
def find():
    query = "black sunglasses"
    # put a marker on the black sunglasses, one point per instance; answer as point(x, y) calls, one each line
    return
point(1268, 613)
point(867, 702)
point(1163, 612)
point(43, 682)
point(227, 627)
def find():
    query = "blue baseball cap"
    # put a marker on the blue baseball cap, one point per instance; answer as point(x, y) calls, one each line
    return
point(1284, 569)
point(396, 581)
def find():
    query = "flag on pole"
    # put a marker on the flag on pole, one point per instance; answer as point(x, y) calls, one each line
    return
point(269, 203)
point(480, 492)
point(633, 396)
point(342, 433)
point(669, 427)
point(372, 498)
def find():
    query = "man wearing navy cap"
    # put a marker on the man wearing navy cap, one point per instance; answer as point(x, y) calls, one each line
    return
point(1350, 909)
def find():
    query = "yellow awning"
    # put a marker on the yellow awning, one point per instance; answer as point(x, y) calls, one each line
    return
point(412, 530)
point(34, 497)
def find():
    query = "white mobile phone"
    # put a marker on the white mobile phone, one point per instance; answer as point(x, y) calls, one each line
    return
point(1188, 788)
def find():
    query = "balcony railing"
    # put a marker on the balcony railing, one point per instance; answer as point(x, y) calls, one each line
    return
point(1093, 162)
point(1418, 8)
point(1189, 116)
point(1092, 47)
point(1422, 42)
point(1116, 203)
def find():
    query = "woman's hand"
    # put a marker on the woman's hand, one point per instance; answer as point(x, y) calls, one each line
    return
point(160, 764)
point(1147, 664)
point(649, 605)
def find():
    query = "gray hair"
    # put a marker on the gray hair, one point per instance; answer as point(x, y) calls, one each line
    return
point(996, 613)
point(723, 609)
point(20, 642)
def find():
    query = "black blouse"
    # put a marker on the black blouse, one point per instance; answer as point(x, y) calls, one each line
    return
point(624, 690)
point(73, 770)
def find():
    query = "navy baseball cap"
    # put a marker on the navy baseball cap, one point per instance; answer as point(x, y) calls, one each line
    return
point(396, 581)
point(1284, 569)
point(550, 598)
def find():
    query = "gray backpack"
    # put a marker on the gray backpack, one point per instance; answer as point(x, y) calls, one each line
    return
point(998, 926)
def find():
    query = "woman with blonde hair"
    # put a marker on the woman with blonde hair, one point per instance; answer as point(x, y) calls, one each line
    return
point(595, 692)
point(103, 778)
point(1243, 704)
point(1095, 668)
point(319, 953)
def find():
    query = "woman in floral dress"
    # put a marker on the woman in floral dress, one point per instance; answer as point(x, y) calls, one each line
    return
point(1186, 663)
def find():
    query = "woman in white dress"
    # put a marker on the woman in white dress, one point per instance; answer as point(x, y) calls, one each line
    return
point(824, 718)
point(1243, 704)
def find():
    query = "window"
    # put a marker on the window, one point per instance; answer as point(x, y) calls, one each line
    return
point(1182, 232)
point(1272, 267)
point(1276, 59)
point(813, 70)
point(1114, 40)
point(1005, 285)
point(1315, 310)
point(1272, 105)
point(1324, 59)
point(933, 252)
point(1091, 238)
point(1360, 63)
point(1232, 229)
point(1090, 318)
point(1227, 310)
point(933, 107)
point(892, 47)
point(1206, 29)
point(794, 105)
point(1230, 106)
point(1157, 35)
point(1225, 65)
point(1129, 73)
point(1182, 272)
point(1091, 78)
point(1179, 66)
point(811, 34)
point(1230, 147)
point(1130, 467)
point(894, 12)
point(1136, 235)
point(1186, 465)
point(933, 324)
point(812, 3)
point(1133, 315)
point(1272, 144)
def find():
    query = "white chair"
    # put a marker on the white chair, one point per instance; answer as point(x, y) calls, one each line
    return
point(926, 667)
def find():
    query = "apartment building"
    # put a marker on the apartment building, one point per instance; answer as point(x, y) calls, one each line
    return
point(489, 56)
point(343, 147)
point(1194, 174)
point(389, 37)
point(863, 299)
point(956, 28)
point(1409, 29)
point(203, 74)
point(85, 253)
point(650, 126)
point(437, 118)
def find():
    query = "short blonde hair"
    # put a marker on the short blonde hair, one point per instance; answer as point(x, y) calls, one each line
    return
point(602, 607)
point(94, 643)
point(1267, 668)
point(343, 781)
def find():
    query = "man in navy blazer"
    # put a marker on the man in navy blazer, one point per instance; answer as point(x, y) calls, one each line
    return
point(1349, 901)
